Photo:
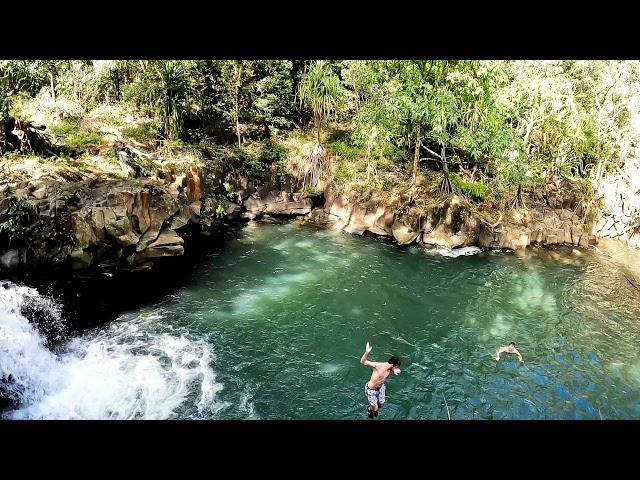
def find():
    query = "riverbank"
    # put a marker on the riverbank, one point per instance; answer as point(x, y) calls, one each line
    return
point(62, 219)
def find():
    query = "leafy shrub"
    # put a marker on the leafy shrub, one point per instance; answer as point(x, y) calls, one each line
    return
point(344, 149)
point(15, 231)
point(475, 190)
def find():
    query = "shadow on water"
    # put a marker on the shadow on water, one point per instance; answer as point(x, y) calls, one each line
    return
point(92, 298)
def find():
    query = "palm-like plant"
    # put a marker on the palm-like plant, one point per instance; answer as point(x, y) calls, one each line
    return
point(174, 96)
point(166, 90)
point(321, 90)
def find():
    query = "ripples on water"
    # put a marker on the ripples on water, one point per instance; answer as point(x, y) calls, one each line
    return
point(274, 325)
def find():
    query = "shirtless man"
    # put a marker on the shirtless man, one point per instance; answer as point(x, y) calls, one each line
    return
point(511, 348)
point(374, 388)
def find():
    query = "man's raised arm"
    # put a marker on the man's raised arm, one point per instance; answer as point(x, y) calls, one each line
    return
point(366, 353)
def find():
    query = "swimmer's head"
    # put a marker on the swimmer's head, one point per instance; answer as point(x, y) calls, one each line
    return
point(395, 361)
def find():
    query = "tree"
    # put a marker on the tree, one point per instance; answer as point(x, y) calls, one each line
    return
point(233, 77)
point(164, 87)
point(320, 90)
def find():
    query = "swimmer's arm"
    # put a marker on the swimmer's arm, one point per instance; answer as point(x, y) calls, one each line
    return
point(500, 350)
point(519, 356)
point(364, 360)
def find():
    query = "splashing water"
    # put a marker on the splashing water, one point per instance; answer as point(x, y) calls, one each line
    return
point(123, 371)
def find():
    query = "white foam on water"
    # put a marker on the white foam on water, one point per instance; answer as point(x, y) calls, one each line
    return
point(456, 252)
point(246, 405)
point(120, 372)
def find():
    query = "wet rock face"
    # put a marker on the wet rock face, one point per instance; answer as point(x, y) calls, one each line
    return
point(453, 224)
point(10, 393)
point(106, 222)
point(115, 224)
point(277, 203)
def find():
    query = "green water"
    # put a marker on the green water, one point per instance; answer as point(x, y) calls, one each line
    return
point(287, 309)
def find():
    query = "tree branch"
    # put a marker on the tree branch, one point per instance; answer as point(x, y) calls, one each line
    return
point(432, 152)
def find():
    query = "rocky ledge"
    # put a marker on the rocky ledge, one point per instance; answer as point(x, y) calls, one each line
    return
point(130, 224)
point(453, 223)
point(125, 224)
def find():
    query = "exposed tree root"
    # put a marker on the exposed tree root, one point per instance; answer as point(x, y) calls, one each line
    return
point(309, 171)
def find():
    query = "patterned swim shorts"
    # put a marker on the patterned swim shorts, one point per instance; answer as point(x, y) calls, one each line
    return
point(375, 397)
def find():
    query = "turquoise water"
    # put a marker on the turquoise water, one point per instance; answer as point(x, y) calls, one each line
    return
point(273, 327)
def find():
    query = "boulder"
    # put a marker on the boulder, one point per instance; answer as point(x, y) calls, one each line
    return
point(10, 260)
point(340, 207)
point(81, 224)
point(40, 193)
point(21, 193)
point(320, 216)
point(231, 210)
point(119, 228)
point(357, 221)
point(182, 218)
point(193, 185)
point(140, 211)
point(161, 209)
point(167, 244)
point(81, 259)
point(274, 203)
point(441, 238)
point(195, 208)
point(404, 233)
point(167, 237)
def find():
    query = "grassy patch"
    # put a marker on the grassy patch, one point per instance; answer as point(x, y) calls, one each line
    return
point(83, 137)
point(142, 132)
point(344, 149)
point(474, 190)
point(65, 127)
point(73, 135)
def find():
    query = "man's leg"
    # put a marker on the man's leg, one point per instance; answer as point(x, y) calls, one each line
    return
point(372, 398)
point(381, 400)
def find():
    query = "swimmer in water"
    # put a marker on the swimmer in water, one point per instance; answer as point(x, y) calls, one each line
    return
point(511, 348)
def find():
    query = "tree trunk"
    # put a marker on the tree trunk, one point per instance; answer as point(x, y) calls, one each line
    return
point(116, 84)
point(317, 121)
point(238, 71)
point(53, 86)
point(445, 186)
point(518, 202)
point(416, 157)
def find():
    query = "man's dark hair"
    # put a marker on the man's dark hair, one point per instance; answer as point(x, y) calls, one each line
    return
point(513, 343)
point(395, 361)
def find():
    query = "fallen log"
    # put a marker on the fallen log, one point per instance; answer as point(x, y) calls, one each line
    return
point(26, 137)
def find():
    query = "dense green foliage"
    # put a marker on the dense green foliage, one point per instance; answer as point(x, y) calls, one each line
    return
point(505, 126)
